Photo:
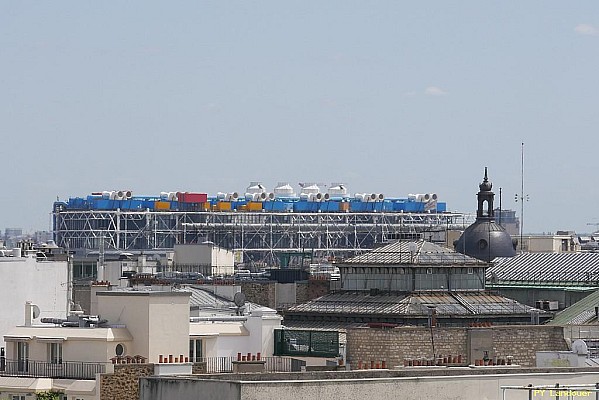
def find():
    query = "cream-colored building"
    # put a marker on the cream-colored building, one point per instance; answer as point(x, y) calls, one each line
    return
point(66, 355)
point(561, 242)
point(205, 258)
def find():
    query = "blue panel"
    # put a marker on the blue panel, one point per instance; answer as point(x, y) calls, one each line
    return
point(399, 205)
point(77, 203)
point(329, 206)
point(148, 204)
point(441, 207)
point(103, 204)
point(305, 206)
point(387, 205)
point(132, 205)
point(357, 206)
point(278, 205)
point(414, 206)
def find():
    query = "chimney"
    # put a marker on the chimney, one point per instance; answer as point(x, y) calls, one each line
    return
point(28, 313)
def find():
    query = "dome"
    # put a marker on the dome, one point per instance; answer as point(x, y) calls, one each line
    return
point(485, 240)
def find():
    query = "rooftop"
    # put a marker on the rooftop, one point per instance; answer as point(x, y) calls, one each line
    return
point(449, 304)
point(418, 253)
point(552, 269)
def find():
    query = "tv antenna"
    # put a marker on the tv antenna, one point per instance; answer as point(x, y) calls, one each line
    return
point(521, 198)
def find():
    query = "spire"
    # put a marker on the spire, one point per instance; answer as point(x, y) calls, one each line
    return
point(485, 186)
point(485, 199)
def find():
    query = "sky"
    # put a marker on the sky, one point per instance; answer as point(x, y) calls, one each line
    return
point(395, 97)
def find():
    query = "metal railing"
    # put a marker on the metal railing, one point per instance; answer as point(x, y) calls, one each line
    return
point(272, 364)
point(42, 369)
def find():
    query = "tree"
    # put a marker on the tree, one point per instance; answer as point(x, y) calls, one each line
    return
point(51, 395)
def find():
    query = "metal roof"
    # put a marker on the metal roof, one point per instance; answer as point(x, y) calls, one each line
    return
point(580, 269)
point(205, 300)
point(413, 253)
point(414, 304)
point(581, 312)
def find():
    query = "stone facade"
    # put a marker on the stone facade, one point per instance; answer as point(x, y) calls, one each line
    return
point(263, 293)
point(124, 382)
point(524, 342)
point(198, 368)
point(312, 289)
point(396, 344)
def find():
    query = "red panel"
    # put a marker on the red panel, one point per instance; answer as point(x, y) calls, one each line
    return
point(194, 198)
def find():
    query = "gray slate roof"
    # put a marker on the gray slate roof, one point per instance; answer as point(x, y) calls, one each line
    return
point(554, 269)
point(413, 304)
point(420, 252)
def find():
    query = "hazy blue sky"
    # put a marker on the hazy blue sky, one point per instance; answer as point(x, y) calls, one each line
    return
point(391, 96)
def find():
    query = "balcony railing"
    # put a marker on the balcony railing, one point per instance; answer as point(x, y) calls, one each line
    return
point(273, 364)
point(42, 369)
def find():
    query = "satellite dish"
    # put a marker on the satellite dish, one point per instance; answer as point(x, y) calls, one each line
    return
point(35, 310)
point(239, 299)
point(580, 347)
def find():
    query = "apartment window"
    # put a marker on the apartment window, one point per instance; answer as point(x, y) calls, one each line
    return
point(196, 351)
point(23, 356)
point(55, 353)
point(17, 397)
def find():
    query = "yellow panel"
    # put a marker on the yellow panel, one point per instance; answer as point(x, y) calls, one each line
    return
point(254, 206)
point(223, 206)
point(162, 205)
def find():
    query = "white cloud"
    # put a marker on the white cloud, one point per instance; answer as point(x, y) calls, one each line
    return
point(586, 29)
point(434, 91)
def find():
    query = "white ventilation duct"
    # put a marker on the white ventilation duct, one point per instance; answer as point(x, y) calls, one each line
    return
point(315, 197)
point(284, 189)
point(312, 188)
point(337, 190)
point(255, 187)
point(361, 197)
point(232, 196)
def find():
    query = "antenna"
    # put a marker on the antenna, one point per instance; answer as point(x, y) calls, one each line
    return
point(521, 197)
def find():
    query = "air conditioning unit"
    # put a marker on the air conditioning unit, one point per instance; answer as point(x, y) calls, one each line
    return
point(539, 304)
point(553, 305)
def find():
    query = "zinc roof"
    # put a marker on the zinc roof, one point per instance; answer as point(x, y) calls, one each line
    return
point(581, 312)
point(419, 252)
point(580, 269)
point(414, 304)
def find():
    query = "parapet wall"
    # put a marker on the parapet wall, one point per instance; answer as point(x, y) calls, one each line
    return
point(520, 342)
point(124, 382)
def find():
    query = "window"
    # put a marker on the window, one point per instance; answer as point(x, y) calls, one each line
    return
point(120, 350)
point(470, 271)
point(23, 356)
point(196, 351)
point(17, 397)
point(55, 353)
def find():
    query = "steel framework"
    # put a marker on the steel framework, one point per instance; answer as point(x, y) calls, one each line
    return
point(259, 235)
